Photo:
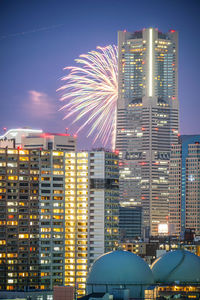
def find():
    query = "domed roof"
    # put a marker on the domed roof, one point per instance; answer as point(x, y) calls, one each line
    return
point(179, 265)
point(120, 267)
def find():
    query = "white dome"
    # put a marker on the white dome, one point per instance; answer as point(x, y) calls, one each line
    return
point(120, 267)
point(177, 266)
point(119, 271)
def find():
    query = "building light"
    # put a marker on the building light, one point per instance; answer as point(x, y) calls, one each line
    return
point(163, 228)
point(150, 62)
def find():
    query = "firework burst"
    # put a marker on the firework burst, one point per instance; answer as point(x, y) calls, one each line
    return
point(91, 91)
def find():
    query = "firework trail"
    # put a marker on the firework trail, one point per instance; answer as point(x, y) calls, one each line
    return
point(90, 93)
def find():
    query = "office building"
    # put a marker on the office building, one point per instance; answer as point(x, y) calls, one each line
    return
point(147, 120)
point(184, 185)
point(59, 211)
point(130, 222)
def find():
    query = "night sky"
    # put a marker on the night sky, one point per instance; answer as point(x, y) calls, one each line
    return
point(38, 38)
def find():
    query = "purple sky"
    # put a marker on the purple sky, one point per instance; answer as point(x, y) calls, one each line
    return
point(38, 38)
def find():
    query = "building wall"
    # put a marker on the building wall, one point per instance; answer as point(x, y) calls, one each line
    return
point(49, 141)
point(147, 120)
point(192, 205)
point(184, 178)
point(19, 219)
point(175, 175)
point(130, 223)
point(92, 219)
point(59, 213)
point(52, 219)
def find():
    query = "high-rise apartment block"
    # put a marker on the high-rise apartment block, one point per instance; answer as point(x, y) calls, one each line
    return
point(91, 202)
point(184, 185)
point(19, 219)
point(147, 119)
point(59, 211)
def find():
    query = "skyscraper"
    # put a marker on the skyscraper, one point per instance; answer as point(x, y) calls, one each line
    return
point(147, 119)
point(184, 185)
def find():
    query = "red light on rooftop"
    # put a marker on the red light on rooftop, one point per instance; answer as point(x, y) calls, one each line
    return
point(172, 31)
point(75, 135)
point(45, 135)
point(4, 129)
point(124, 30)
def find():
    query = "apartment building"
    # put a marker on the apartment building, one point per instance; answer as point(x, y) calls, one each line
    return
point(59, 212)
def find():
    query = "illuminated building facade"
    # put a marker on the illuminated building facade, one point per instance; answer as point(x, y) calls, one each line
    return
point(59, 211)
point(52, 218)
point(19, 219)
point(91, 201)
point(147, 120)
point(184, 185)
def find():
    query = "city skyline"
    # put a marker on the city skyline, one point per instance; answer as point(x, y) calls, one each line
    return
point(51, 35)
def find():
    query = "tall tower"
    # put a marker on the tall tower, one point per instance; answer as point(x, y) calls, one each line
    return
point(147, 119)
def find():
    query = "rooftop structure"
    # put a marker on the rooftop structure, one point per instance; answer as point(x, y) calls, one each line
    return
point(49, 141)
point(16, 136)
